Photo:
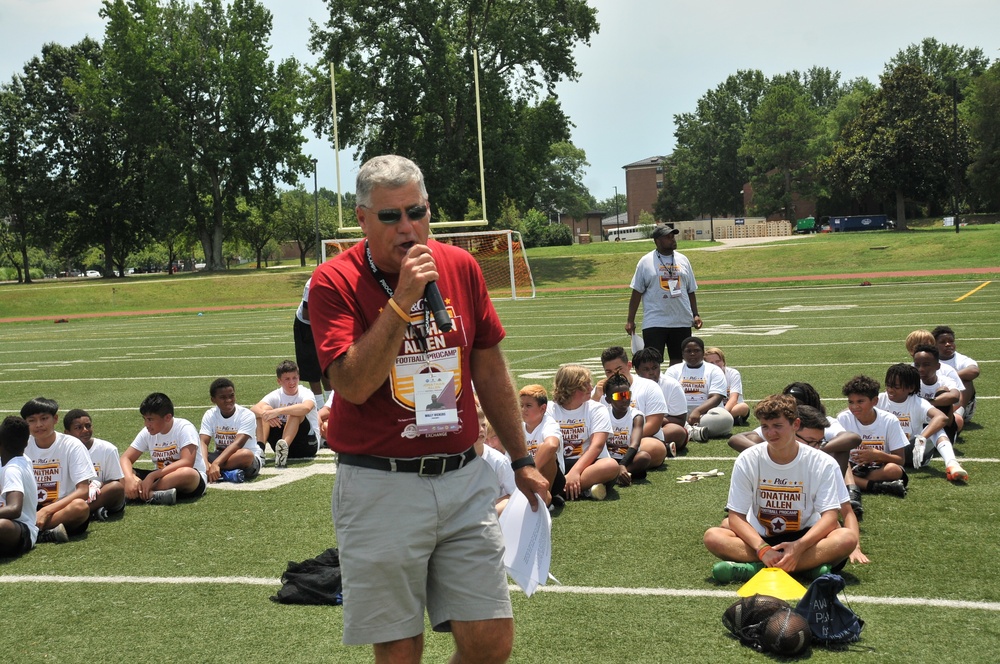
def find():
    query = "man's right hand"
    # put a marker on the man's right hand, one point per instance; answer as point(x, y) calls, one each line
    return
point(630, 328)
point(530, 481)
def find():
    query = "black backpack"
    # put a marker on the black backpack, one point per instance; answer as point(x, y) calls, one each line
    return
point(830, 621)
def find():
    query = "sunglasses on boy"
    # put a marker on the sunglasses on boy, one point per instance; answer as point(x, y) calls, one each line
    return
point(393, 215)
point(621, 396)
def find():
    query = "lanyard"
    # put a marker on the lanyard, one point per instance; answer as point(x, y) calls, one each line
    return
point(421, 335)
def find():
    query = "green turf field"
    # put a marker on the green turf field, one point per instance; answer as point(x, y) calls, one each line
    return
point(635, 576)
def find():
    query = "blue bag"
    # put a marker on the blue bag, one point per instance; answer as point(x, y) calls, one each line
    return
point(830, 621)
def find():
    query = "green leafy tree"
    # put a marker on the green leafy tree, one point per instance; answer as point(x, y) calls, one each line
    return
point(562, 183)
point(900, 145)
point(780, 143)
point(405, 85)
point(296, 218)
point(944, 63)
point(984, 115)
point(229, 117)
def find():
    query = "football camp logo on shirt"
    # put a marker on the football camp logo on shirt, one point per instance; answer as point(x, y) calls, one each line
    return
point(47, 478)
point(779, 505)
point(224, 437)
point(572, 435)
point(165, 455)
point(413, 359)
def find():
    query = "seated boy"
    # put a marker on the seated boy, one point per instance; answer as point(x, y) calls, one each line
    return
point(648, 363)
point(544, 438)
point(174, 447)
point(287, 419)
point(966, 367)
point(107, 493)
point(734, 402)
point(63, 472)
point(705, 388)
point(877, 463)
point(784, 498)
point(18, 529)
point(237, 456)
point(625, 444)
point(645, 396)
point(922, 423)
point(942, 391)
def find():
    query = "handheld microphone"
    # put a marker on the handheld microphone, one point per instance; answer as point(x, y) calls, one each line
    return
point(433, 299)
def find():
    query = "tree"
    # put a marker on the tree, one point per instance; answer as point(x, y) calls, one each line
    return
point(944, 63)
point(900, 143)
point(780, 143)
point(984, 114)
point(296, 218)
point(405, 85)
point(227, 115)
point(562, 181)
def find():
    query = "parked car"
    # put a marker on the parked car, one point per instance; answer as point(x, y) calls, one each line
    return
point(92, 273)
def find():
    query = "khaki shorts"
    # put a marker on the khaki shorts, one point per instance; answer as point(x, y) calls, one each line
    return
point(409, 544)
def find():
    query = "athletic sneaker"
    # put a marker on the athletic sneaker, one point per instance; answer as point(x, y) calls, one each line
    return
point(970, 409)
point(236, 476)
point(698, 435)
point(893, 488)
point(955, 473)
point(57, 535)
point(740, 421)
point(919, 451)
point(727, 572)
point(100, 515)
point(165, 497)
point(672, 450)
point(281, 454)
point(598, 492)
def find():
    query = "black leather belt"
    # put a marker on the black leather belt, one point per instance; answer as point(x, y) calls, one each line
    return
point(426, 466)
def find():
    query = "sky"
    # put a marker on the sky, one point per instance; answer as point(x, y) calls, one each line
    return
point(651, 60)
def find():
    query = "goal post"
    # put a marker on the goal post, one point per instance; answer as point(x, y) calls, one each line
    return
point(500, 255)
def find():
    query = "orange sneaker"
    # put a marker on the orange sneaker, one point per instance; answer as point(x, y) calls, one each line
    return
point(956, 473)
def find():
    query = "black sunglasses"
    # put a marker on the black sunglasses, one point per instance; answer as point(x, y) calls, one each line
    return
point(415, 213)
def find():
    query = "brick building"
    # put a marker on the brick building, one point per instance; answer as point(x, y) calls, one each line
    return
point(643, 181)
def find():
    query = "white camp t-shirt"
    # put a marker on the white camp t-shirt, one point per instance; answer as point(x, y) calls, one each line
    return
point(500, 463)
point(223, 430)
point(734, 383)
point(666, 284)
point(278, 399)
point(698, 383)
point(959, 362)
point(783, 498)
point(578, 425)
point(18, 475)
point(547, 428)
point(647, 398)
point(107, 463)
point(885, 434)
point(943, 381)
point(621, 432)
point(913, 414)
point(299, 313)
point(59, 467)
point(673, 394)
point(165, 448)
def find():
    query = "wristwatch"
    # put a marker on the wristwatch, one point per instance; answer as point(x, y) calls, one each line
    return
point(517, 464)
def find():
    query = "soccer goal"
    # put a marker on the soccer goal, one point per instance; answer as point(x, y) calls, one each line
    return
point(500, 255)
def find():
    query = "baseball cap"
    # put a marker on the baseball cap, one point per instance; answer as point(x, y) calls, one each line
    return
point(664, 229)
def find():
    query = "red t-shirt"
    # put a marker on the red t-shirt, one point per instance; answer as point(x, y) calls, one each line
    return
point(345, 300)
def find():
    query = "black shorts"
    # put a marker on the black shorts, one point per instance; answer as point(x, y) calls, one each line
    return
point(142, 473)
point(303, 446)
point(667, 340)
point(23, 544)
point(305, 352)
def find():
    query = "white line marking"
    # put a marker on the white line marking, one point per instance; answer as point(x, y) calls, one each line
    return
point(573, 590)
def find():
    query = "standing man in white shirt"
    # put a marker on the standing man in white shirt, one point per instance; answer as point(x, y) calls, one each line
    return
point(665, 285)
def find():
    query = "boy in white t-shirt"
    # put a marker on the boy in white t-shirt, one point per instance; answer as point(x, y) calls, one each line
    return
point(784, 500)
point(63, 472)
point(287, 418)
point(734, 402)
point(627, 431)
point(237, 456)
point(922, 423)
point(705, 388)
point(647, 364)
point(175, 448)
point(18, 529)
point(544, 439)
point(966, 367)
point(944, 392)
point(107, 493)
point(877, 463)
point(488, 446)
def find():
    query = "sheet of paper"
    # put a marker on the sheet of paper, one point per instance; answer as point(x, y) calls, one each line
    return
point(527, 537)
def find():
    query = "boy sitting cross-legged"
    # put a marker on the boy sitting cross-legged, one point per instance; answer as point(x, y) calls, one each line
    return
point(174, 446)
point(237, 456)
point(107, 493)
point(63, 472)
point(784, 499)
point(287, 418)
point(876, 465)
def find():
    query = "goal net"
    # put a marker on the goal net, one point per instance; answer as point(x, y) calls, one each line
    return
point(500, 255)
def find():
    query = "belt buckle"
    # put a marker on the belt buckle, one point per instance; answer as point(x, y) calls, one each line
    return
point(427, 467)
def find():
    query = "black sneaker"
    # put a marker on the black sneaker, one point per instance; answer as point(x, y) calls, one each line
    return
point(57, 535)
point(893, 488)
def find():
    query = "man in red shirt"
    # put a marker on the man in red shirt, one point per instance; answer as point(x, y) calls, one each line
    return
point(412, 506)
